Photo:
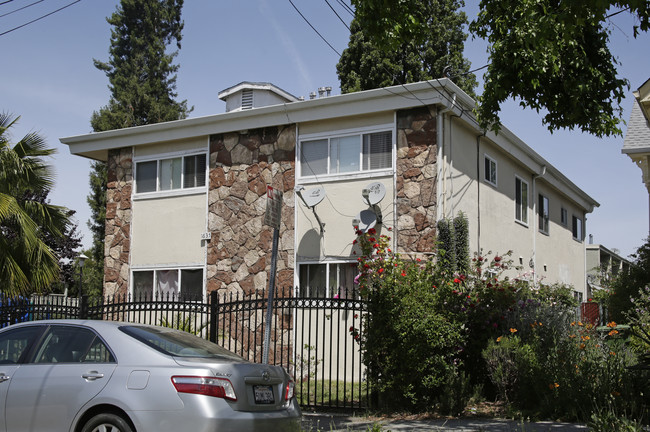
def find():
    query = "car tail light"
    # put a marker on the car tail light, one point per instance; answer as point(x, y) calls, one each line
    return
point(208, 386)
point(290, 391)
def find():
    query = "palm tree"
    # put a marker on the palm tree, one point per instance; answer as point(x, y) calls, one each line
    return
point(27, 264)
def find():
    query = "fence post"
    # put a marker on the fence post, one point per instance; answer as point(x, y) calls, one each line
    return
point(213, 319)
point(83, 307)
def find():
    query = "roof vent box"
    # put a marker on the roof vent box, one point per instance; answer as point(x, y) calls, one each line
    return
point(248, 95)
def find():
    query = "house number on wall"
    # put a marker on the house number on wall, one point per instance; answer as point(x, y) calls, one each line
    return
point(206, 236)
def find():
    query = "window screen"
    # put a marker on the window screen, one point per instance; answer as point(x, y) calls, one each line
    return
point(313, 157)
point(146, 176)
point(377, 150)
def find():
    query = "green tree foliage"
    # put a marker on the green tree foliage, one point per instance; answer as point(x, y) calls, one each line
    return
point(453, 244)
point(628, 284)
point(365, 65)
point(142, 80)
point(29, 225)
point(551, 55)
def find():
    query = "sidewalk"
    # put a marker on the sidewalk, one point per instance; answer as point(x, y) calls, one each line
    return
point(326, 422)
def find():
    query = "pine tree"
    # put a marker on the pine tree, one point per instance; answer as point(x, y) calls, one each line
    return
point(366, 64)
point(142, 79)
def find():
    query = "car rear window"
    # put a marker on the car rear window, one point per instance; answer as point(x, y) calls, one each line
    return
point(178, 343)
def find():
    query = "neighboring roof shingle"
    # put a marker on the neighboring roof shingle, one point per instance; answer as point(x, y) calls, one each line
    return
point(637, 138)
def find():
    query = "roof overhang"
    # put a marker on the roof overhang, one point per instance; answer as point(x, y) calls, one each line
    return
point(439, 92)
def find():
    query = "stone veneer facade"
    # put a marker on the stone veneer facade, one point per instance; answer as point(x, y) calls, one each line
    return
point(117, 243)
point(241, 166)
point(417, 153)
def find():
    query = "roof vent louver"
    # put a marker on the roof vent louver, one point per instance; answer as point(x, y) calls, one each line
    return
point(247, 99)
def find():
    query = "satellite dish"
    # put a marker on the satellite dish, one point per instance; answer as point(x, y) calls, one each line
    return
point(367, 219)
point(314, 196)
point(374, 193)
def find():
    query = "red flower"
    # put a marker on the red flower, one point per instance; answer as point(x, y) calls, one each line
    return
point(372, 231)
point(381, 270)
point(376, 245)
point(403, 273)
point(457, 280)
point(497, 258)
point(372, 239)
point(389, 251)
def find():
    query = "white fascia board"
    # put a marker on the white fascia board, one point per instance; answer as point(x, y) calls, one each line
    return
point(366, 102)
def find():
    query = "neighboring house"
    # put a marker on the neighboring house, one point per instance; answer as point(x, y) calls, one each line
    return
point(637, 137)
point(602, 265)
point(186, 199)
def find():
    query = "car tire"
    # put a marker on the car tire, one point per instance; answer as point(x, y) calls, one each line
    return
point(107, 422)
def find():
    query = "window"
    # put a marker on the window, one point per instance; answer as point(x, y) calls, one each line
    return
point(490, 170)
point(327, 280)
point(181, 172)
point(346, 154)
point(186, 284)
point(521, 201)
point(14, 344)
point(543, 213)
point(69, 344)
point(577, 228)
point(564, 217)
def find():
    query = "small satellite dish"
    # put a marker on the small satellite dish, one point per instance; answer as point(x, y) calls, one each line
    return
point(374, 193)
point(314, 196)
point(367, 219)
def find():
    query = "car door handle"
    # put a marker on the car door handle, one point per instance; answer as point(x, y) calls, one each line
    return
point(92, 376)
point(4, 377)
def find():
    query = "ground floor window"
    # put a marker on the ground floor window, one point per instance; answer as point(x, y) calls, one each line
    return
point(327, 280)
point(168, 284)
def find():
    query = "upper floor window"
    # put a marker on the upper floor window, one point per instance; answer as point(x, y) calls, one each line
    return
point(564, 217)
point(521, 201)
point(182, 172)
point(490, 170)
point(543, 211)
point(346, 154)
point(577, 228)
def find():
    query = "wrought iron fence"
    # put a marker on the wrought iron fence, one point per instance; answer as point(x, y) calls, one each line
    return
point(310, 338)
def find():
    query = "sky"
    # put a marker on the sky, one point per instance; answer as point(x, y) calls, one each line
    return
point(48, 79)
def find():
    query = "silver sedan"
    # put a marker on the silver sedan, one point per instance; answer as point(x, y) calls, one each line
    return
point(103, 376)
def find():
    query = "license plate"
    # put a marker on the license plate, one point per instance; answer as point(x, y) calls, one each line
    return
point(263, 394)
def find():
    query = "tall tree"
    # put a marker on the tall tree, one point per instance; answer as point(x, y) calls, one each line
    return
point(437, 53)
point(27, 222)
point(142, 77)
point(552, 55)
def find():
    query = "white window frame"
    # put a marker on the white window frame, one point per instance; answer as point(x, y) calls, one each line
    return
point(580, 226)
point(343, 134)
point(492, 163)
point(523, 208)
point(170, 192)
point(544, 213)
point(155, 271)
point(328, 265)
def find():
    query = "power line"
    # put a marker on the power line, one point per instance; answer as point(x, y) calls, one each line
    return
point(313, 28)
point(347, 8)
point(39, 18)
point(19, 9)
point(5, 2)
point(337, 15)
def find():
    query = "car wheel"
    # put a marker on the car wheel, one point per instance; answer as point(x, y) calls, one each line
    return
point(107, 423)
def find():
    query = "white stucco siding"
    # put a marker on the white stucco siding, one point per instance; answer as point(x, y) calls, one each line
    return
point(337, 211)
point(490, 209)
point(167, 231)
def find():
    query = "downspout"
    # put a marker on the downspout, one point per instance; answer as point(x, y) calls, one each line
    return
point(441, 180)
point(478, 193)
